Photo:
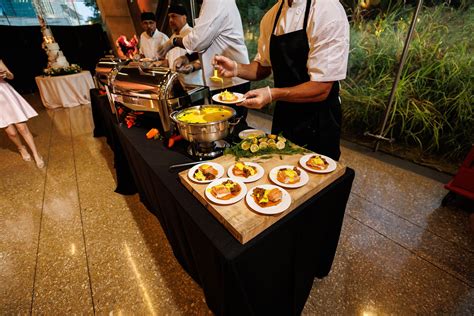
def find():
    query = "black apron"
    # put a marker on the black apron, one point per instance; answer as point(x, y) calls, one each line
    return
point(316, 124)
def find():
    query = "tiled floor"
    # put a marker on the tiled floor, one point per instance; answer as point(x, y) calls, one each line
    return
point(71, 245)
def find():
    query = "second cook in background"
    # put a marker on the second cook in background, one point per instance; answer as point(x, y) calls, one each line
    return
point(306, 45)
point(217, 31)
point(151, 38)
point(177, 18)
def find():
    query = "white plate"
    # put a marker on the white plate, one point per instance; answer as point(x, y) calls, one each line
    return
point(330, 168)
point(240, 97)
point(218, 167)
point(255, 177)
point(279, 208)
point(304, 178)
point(233, 200)
point(251, 132)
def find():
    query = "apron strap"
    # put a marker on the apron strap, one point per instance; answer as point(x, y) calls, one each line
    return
point(306, 14)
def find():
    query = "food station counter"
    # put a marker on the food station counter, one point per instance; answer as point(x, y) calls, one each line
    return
point(270, 273)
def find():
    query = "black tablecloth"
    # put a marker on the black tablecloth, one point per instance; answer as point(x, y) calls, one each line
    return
point(271, 274)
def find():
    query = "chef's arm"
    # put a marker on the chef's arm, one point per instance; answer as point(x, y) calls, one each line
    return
point(252, 71)
point(310, 91)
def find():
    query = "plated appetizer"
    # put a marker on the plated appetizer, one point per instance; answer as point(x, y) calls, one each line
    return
point(289, 175)
point(206, 172)
point(317, 162)
point(225, 191)
point(267, 197)
point(228, 96)
point(241, 169)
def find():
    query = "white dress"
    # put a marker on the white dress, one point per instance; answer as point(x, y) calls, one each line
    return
point(13, 108)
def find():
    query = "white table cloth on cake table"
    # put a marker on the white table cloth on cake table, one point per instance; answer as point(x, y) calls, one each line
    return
point(65, 91)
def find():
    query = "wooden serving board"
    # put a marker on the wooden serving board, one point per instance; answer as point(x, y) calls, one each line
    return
point(239, 219)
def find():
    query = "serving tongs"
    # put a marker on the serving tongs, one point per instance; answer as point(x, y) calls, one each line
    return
point(180, 165)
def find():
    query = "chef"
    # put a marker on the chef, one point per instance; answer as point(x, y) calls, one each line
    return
point(177, 18)
point(218, 30)
point(305, 43)
point(151, 38)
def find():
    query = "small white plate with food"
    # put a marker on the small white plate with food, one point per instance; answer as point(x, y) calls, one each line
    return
point(317, 163)
point(251, 133)
point(227, 97)
point(268, 199)
point(246, 171)
point(226, 191)
point(206, 172)
point(289, 176)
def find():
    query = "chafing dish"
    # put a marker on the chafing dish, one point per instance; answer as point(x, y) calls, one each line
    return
point(206, 129)
point(154, 91)
point(104, 68)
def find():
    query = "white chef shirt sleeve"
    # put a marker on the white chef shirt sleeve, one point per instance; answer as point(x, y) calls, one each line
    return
point(263, 50)
point(208, 26)
point(329, 51)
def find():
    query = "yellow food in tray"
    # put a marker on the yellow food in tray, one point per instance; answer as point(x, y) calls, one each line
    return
point(228, 96)
point(204, 115)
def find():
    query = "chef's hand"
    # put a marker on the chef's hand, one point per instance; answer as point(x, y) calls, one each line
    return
point(3, 74)
point(180, 62)
point(163, 49)
point(258, 98)
point(227, 67)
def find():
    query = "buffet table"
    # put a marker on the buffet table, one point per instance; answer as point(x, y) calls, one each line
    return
point(65, 91)
point(272, 273)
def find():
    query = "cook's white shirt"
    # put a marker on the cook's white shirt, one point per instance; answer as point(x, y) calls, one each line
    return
point(327, 31)
point(149, 44)
point(218, 30)
point(195, 77)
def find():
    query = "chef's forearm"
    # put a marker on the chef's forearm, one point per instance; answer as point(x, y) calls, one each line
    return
point(253, 71)
point(310, 91)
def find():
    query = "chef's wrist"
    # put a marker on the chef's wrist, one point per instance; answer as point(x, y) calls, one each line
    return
point(177, 42)
point(236, 69)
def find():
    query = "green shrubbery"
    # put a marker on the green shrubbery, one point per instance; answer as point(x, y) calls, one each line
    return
point(433, 108)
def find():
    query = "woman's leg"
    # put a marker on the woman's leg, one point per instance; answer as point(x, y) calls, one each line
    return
point(25, 132)
point(13, 135)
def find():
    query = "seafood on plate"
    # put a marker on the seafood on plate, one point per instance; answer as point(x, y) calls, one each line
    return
point(317, 162)
point(240, 169)
point(267, 198)
point(289, 175)
point(228, 96)
point(205, 172)
point(226, 190)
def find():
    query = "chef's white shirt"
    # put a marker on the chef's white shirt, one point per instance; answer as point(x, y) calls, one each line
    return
point(149, 44)
point(193, 78)
point(218, 30)
point(327, 31)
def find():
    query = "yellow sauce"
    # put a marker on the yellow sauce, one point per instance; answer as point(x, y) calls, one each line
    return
point(204, 115)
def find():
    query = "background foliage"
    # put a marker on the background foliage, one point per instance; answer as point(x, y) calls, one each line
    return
point(433, 108)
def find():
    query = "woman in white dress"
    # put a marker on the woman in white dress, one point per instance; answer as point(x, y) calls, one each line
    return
point(14, 112)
